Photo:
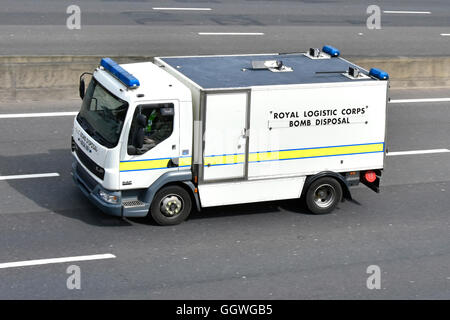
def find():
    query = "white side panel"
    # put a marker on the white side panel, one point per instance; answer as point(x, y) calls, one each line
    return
point(224, 136)
point(302, 131)
point(218, 194)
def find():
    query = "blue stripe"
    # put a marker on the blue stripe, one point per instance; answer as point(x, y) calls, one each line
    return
point(222, 164)
point(334, 155)
point(225, 154)
point(345, 145)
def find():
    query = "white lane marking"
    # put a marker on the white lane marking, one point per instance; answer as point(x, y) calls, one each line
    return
point(231, 33)
point(55, 260)
point(420, 100)
point(445, 34)
point(407, 12)
point(37, 115)
point(30, 176)
point(401, 153)
point(183, 9)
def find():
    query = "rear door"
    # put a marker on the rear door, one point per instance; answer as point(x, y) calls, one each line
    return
point(225, 137)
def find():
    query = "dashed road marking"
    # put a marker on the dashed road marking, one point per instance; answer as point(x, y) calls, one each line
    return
point(402, 153)
point(406, 12)
point(28, 263)
point(182, 9)
point(29, 176)
point(231, 33)
point(37, 115)
point(420, 100)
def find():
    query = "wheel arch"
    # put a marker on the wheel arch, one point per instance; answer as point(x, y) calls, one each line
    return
point(178, 178)
point(345, 188)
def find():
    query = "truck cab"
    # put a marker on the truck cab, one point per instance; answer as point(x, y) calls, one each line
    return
point(129, 136)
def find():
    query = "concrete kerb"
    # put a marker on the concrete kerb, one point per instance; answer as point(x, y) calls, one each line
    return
point(25, 78)
point(46, 77)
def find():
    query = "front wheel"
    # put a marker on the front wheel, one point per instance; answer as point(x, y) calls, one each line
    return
point(323, 195)
point(171, 205)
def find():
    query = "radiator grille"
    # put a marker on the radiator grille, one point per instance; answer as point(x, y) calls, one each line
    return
point(90, 164)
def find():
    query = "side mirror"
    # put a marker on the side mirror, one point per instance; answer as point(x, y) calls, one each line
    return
point(131, 150)
point(138, 136)
point(82, 88)
point(141, 121)
point(137, 143)
point(139, 139)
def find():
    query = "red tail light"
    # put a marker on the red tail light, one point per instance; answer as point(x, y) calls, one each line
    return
point(370, 176)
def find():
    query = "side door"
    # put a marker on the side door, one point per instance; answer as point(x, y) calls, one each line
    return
point(140, 167)
point(225, 152)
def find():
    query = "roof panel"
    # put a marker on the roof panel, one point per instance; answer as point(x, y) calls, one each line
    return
point(216, 72)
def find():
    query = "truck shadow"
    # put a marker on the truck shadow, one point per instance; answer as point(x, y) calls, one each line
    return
point(55, 194)
point(61, 196)
point(293, 206)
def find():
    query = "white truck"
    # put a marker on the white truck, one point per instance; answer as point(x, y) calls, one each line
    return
point(162, 138)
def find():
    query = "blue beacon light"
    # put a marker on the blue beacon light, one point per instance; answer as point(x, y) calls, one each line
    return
point(331, 51)
point(379, 74)
point(120, 73)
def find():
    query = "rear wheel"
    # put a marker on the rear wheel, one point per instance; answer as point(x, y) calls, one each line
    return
point(171, 205)
point(323, 195)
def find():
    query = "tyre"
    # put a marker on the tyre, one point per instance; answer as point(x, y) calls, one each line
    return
point(323, 195)
point(171, 205)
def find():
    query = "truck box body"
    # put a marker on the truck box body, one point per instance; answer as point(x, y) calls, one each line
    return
point(259, 132)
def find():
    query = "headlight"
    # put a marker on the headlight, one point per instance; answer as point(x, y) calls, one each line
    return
point(110, 198)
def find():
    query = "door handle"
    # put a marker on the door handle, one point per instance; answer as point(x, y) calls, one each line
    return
point(245, 133)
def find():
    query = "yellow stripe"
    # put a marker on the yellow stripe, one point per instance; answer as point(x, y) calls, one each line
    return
point(294, 154)
point(185, 161)
point(141, 165)
point(321, 152)
point(152, 164)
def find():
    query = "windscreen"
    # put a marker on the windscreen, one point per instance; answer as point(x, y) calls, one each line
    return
point(102, 115)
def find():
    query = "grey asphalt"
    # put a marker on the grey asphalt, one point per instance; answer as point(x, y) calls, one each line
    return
point(274, 250)
point(125, 27)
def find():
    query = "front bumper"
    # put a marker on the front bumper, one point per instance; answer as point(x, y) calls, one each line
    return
point(90, 189)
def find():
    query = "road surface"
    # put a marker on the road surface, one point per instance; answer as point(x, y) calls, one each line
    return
point(123, 27)
point(274, 250)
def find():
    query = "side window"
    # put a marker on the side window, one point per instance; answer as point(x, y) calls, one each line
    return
point(158, 126)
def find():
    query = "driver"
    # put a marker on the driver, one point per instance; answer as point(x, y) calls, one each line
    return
point(159, 128)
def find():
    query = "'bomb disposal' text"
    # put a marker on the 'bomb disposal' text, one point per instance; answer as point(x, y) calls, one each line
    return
point(319, 117)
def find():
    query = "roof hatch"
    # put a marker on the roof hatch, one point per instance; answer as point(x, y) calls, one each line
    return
point(272, 65)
